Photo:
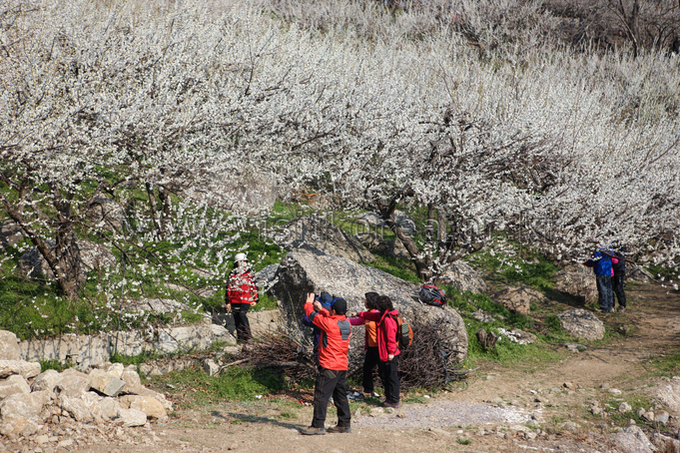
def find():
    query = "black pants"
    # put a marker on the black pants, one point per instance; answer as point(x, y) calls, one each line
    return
point(371, 360)
point(240, 312)
point(390, 379)
point(331, 383)
point(617, 286)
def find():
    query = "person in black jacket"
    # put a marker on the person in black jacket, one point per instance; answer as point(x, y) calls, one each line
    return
point(619, 269)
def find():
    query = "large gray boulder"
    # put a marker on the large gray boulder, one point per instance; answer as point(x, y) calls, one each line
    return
point(321, 236)
point(582, 324)
point(374, 221)
point(669, 395)
point(632, 440)
point(303, 271)
point(577, 281)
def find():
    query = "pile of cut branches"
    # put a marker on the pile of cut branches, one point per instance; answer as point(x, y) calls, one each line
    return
point(424, 364)
point(281, 351)
point(427, 362)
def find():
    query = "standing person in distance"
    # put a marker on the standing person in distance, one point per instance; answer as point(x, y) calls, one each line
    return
point(331, 379)
point(372, 357)
point(241, 295)
point(619, 269)
point(388, 350)
point(601, 262)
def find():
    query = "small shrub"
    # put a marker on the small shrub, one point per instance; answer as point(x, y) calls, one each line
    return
point(553, 324)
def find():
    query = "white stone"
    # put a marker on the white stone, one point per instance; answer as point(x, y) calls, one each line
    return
point(150, 406)
point(21, 367)
point(105, 383)
point(131, 417)
point(9, 346)
point(46, 380)
point(13, 384)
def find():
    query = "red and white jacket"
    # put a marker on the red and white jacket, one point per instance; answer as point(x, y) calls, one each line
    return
point(241, 288)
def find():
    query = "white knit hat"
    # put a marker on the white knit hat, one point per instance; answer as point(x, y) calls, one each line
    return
point(240, 257)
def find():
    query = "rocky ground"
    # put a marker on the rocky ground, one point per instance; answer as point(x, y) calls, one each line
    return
point(522, 407)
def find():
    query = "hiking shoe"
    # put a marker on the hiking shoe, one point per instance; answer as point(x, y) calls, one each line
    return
point(622, 309)
point(391, 404)
point(371, 395)
point(339, 429)
point(311, 431)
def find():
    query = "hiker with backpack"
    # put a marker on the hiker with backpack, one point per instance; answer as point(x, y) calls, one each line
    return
point(372, 357)
point(388, 348)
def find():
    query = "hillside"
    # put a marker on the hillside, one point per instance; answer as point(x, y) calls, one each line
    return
point(506, 408)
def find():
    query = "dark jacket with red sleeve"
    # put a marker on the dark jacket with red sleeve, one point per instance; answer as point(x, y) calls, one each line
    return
point(334, 341)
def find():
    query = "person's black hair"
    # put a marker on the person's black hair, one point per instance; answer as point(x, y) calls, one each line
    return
point(371, 300)
point(384, 304)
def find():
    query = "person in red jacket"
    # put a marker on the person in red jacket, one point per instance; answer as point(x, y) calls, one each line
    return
point(388, 350)
point(241, 295)
point(331, 379)
point(372, 358)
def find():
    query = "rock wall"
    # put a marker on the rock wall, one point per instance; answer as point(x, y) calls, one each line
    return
point(86, 350)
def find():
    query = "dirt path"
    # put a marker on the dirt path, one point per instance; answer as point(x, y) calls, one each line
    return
point(525, 407)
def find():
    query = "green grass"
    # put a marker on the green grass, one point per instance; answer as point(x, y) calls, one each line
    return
point(193, 387)
point(511, 264)
point(666, 365)
point(400, 268)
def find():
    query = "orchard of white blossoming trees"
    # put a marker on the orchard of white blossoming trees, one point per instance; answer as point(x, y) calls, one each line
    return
point(382, 109)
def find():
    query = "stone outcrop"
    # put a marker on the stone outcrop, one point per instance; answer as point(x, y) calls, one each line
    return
point(669, 395)
point(29, 399)
point(582, 324)
point(303, 271)
point(87, 350)
point(518, 299)
point(633, 440)
point(321, 236)
point(462, 276)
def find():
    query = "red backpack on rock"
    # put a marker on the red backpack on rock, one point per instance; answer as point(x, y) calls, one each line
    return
point(431, 295)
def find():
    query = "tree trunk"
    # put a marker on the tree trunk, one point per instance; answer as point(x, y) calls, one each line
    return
point(64, 266)
point(422, 269)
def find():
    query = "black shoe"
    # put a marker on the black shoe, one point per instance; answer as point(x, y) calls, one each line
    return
point(622, 309)
point(311, 431)
point(339, 429)
point(396, 405)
